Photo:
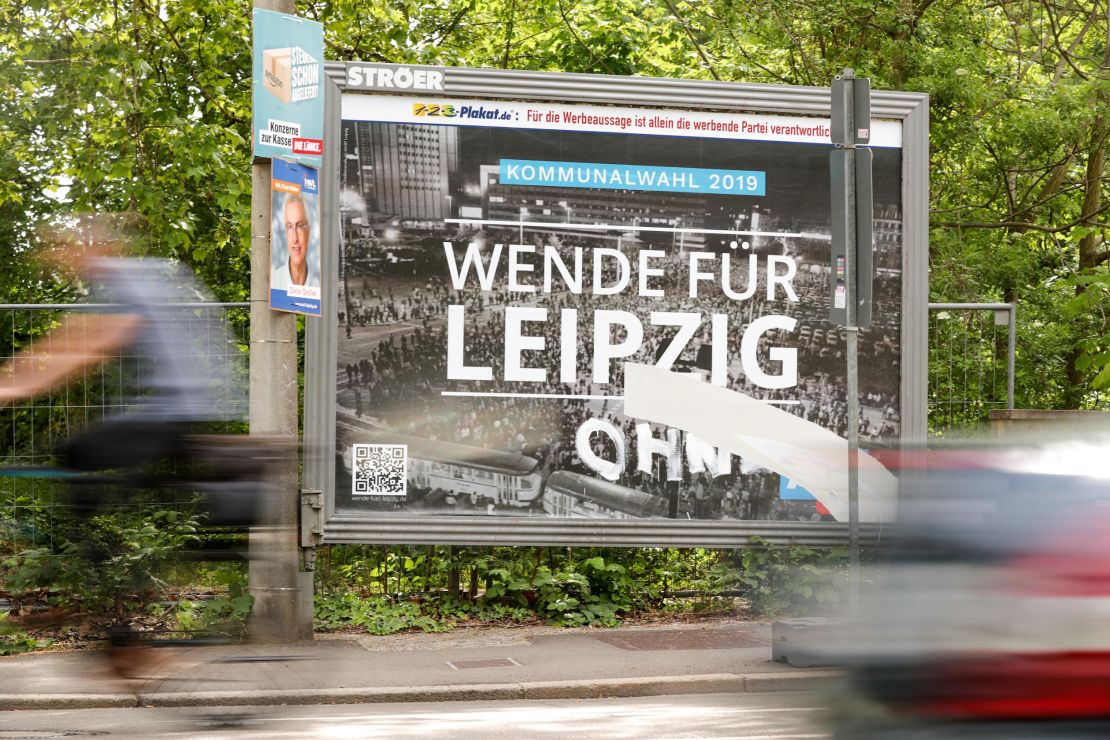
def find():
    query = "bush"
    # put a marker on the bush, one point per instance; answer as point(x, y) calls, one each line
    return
point(376, 615)
point(570, 587)
point(13, 640)
point(790, 580)
point(106, 563)
point(227, 613)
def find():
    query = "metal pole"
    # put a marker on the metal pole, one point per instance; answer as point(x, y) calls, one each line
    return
point(970, 306)
point(851, 236)
point(452, 572)
point(274, 546)
point(102, 306)
point(854, 580)
point(1011, 347)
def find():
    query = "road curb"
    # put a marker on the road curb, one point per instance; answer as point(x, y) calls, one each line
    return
point(801, 681)
point(67, 701)
point(714, 683)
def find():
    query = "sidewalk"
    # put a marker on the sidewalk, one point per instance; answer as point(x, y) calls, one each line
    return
point(465, 664)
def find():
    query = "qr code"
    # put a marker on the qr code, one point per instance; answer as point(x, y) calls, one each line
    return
point(379, 470)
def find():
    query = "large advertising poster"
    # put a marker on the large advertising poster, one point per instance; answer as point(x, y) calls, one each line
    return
point(507, 269)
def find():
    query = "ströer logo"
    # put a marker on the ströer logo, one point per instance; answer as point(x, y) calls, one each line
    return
point(399, 78)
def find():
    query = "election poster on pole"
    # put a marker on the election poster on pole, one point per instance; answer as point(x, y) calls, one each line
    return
point(288, 99)
point(295, 246)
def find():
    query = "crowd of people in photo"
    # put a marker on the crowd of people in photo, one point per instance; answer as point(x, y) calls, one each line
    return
point(369, 308)
point(398, 381)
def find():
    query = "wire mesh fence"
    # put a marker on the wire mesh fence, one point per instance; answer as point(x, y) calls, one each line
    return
point(971, 349)
point(34, 504)
point(971, 365)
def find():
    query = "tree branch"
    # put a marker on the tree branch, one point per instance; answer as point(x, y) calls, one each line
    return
point(189, 63)
point(351, 52)
point(509, 35)
point(1024, 225)
point(594, 58)
point(452, 24)
point(1065, 54)
point(1102, 256)
point(690, 35)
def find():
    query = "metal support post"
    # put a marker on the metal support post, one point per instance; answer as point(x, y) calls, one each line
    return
point(851, 273)
point(1011, 348)
point(853, 388)
point(854, 579)
point(274, 579)
point(853, 379)
point(452, 572)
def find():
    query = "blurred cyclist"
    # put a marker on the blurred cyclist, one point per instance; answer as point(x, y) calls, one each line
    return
point(189, 365)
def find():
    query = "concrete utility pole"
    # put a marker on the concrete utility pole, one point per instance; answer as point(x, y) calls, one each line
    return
point(274, 546)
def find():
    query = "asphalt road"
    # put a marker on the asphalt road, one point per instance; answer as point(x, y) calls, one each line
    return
point(785, 716)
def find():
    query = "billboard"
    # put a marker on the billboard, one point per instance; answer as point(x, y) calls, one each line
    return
point(295, 246)
point(288, 98)
point(553, 314)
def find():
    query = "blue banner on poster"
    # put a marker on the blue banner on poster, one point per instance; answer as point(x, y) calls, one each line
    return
point(288, 87)
point(791, 491)
point(295, 243)
point(597, 175)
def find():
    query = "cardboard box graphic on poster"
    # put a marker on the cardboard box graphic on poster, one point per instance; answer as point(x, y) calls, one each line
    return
point(275, 71)
point(500, 261)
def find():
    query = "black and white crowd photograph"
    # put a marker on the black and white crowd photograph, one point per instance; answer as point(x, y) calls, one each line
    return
point(482, 323)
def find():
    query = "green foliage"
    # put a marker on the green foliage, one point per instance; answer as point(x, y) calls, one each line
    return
point(378, 616)
point(592, 592)
point(103, 564)
point(383, 590)
point(564, 587)
point(790, 580)
point(566, 599)
point(33, 568)
point(226, 613)
point(14, 640)
point(589, 592)
point(455, 610)
point(1018, 185)
point(156, 124)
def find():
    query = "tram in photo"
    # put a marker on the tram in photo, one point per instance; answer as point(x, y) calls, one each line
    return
point(447, 476)
point(568, 494)
point(452, 475)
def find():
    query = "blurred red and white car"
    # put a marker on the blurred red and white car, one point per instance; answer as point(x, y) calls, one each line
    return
point(991, 615)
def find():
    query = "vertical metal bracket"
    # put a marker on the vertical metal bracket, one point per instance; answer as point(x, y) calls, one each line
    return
point(312, 518)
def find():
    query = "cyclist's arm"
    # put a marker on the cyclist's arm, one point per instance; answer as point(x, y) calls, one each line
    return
point(79, 341)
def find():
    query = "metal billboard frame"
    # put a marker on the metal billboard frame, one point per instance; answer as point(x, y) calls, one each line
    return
point(322, 523)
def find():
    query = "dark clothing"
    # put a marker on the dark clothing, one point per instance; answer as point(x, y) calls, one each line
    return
point(122, 442)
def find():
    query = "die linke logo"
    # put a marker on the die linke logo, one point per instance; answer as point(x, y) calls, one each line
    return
point(291, 74)
point(308, 146)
